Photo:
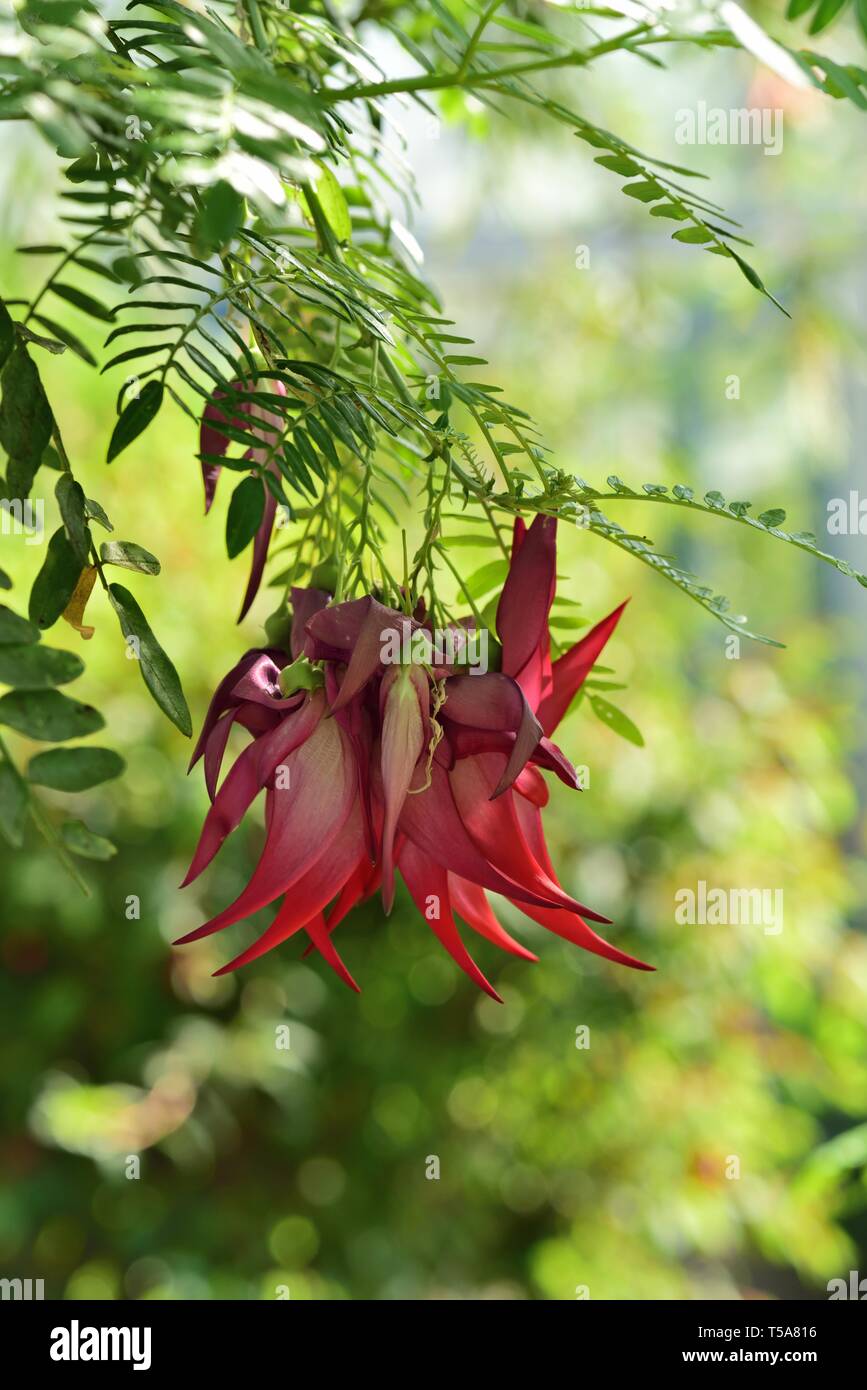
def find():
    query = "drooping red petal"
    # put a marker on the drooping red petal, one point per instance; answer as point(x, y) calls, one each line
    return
point(428, 884)
point(302, 821)
point(530, 820)
point(212, 440)
point(212, 436)
point(267, 427)
point(497, 831)
point(215, 748)
point(303, 904)
point(432, 822)
point(497, 703)
point(471, 903)
point(252, 771)
point(261, 542)
point(355, 632)
point(573, 928)
point(362, 883)
point(354, 719)
point(571, 670)
point(321, 938)
point(553, 759)
point(305, 602)
point(533, 786)
point(223, 698)
point(522, 612)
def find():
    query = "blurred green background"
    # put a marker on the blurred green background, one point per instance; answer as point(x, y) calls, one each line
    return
point(608, 1168)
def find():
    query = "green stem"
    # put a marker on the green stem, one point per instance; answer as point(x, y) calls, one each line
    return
point(433, 82)
point(43, 824)
point(477, 33)
point(257, 27)
point(47, 830)
point(464, 590)
point(685, 504)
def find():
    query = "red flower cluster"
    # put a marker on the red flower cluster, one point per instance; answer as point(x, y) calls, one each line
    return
point(428, 770)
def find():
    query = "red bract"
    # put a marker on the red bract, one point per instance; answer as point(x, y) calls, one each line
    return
point(254, 417)
point(425, 770)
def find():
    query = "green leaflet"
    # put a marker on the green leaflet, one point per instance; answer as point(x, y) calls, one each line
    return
point(13, 804)
point(81, 841)
point(48, 716)
point(615, 720)
point(53, 585)
point(333, 203)
point(73, 510)
point(158, 673)
point(74, 769)
point(244, 516)
point(34, 667)
point(135, 417)
point(129, 556)
point(219, 218)
point(25, 419)
point(14, 629)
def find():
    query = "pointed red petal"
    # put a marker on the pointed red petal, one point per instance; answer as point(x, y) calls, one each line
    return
point(252, 771)
point(215, 748)
point(223, 699)
point(260, 552)
point(302, 821)
point(302, 907)
point(573, 928)
point(522, 612)
point(471, 903)
point(533, 786)
point(497, 831)
point(530, 820)
point(429, 887)
point(569, 673)
point(432, 822)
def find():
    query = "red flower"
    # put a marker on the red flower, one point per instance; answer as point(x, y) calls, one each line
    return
point(420, 768)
